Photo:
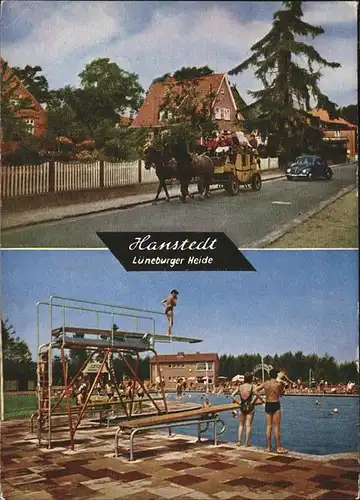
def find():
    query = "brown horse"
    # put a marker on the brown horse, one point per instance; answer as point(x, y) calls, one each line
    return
point(165, 168)
point(193, 165)
point(175, 162)
point(203, 168)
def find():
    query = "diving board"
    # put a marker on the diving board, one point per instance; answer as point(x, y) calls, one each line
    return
point(198, 417)
point(175, 417)
point(174, 338)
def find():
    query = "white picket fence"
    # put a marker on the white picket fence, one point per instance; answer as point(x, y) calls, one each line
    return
point(75, 176)
point(24, 180)
point(148, 175)
point(120, 174)
point(269, 163)
point(34, 179)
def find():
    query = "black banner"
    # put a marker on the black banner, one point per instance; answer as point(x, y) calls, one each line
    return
point(174, 251)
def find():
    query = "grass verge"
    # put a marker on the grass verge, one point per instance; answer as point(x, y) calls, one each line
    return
point(335, 226)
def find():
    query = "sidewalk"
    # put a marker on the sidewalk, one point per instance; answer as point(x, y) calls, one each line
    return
point(48, 214)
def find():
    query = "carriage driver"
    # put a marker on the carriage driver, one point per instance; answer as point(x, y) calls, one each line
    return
point(169, 303)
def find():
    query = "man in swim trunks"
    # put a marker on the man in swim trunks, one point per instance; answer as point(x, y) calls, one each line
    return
point(169, 303)
point(273, 390)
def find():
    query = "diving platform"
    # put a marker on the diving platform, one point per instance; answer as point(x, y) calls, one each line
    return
point(138, 336)
point(89, 337)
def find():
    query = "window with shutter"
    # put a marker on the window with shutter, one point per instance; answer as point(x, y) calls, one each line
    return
point(30, 122)
point(226, 114)
point(14, 101)
point(217, 114)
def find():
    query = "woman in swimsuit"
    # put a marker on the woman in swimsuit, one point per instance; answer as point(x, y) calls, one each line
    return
point(248, 400)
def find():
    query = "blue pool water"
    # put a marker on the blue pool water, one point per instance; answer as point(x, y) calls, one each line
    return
point(305, 427)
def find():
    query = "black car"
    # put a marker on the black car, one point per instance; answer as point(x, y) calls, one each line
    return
point(309, 167)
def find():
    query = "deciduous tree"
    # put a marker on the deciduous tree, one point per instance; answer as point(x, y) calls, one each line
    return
point(36, 84)
point(350, 113)
point(186, 73)
point(187, 114)
point(113, 85)
point(14, 349)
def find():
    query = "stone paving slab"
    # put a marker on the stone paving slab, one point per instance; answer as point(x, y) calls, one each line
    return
point(165, 468)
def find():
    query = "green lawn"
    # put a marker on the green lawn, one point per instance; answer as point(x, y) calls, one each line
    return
point(20, 406)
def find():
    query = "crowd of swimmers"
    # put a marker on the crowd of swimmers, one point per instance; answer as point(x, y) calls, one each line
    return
point(107, 389)
point(298, 387)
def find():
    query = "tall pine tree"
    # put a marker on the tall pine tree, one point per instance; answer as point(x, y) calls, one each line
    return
point(290, 86)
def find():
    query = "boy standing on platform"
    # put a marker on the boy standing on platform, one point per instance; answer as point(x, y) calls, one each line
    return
point(169, 303)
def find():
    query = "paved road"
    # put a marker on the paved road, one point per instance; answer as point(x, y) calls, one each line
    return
point(246, 218)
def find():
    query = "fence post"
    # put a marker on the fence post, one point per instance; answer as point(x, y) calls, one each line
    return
point(102, 173)
point(51, 176)
point(139, 171)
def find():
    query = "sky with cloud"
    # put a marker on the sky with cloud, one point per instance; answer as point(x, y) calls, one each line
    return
point(296, 300)
point(151, 38)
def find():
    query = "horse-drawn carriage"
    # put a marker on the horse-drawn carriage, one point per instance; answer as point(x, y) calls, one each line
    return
point(235, 169)
point(230, 167)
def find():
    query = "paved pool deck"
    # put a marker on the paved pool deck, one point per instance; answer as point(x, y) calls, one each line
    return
point(164, 467)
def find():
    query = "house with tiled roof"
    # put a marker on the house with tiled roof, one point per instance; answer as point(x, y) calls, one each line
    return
point(33, 114)
point(337, 132)
point(194, 368)
point(214, 89)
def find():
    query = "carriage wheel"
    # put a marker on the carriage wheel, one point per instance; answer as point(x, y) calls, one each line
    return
point(232, 185)
point(256, 182)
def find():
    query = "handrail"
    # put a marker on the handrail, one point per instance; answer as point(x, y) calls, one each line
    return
point(57, 297)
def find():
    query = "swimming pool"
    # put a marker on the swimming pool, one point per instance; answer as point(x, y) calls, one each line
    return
point(306, 427)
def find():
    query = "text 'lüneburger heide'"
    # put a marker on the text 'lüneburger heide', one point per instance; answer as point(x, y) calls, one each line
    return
point(198, 250)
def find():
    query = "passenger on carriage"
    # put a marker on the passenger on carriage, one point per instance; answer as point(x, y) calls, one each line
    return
point(222, 141)
point(212, 143)
point(228, 138)
point(223, 144)
point(253, 141)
